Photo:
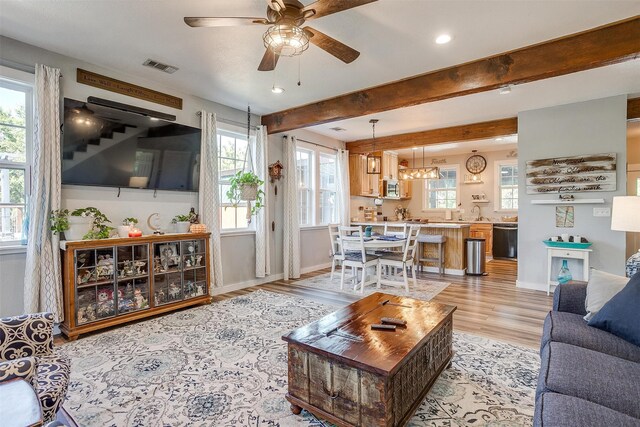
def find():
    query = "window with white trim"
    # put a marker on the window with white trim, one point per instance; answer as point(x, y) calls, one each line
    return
point(232, 149)
point(507, 185)
point(442, 193)
point(328, 191)
point(16, 127)
point(316, 171)
point(304, 166)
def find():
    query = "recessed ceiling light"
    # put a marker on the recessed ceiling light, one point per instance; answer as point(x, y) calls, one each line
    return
point(277, 89)
point(443, 39)
point(499, 139)
point(505, 90)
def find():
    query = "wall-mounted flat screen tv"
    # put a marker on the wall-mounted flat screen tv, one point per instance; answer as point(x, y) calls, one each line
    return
point(107, 147)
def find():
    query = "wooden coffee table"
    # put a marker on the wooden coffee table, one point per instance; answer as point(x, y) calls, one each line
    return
point(345, 372)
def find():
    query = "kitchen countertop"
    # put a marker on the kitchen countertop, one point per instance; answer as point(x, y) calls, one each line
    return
point(461, 224)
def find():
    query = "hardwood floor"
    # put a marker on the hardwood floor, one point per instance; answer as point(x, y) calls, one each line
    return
point(489, 306)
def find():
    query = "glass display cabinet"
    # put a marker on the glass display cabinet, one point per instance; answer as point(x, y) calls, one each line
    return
point(111, 281)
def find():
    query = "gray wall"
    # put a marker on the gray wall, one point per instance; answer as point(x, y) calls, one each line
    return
point(238, 249)
point(591, 127)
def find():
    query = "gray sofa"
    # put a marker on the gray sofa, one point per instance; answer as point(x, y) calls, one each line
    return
point(588, 377)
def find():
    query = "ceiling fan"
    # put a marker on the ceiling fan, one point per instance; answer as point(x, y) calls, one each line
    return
point(285, 35)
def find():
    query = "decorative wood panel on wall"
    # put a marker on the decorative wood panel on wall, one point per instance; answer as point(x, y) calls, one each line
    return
point(124, 88)
point(576, 174)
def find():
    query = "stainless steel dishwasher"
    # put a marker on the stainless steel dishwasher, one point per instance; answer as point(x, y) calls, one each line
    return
point(505, 241)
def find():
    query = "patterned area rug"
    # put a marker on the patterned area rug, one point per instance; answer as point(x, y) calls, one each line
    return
point(225, 365)
point(424, 289)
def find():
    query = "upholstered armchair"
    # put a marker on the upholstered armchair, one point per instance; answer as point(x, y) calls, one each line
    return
point(26, 351)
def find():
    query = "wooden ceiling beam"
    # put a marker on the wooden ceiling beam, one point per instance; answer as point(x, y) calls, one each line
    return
point(469, 132)
point(598, 47)
point(633, 109)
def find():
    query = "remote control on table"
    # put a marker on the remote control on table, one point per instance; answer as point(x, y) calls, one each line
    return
point(383, 327)
point(393, 321)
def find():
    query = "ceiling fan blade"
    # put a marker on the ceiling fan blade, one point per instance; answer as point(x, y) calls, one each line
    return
point(331, 45)
point(269, 61)
point(276, 5)
point(327, 7)
point(222, 21)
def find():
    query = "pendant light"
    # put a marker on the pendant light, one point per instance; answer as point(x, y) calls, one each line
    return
point(374, 162)
point(425, 172)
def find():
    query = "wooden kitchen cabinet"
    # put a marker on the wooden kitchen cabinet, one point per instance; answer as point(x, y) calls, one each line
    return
point(389, 165)
point(361, 183)
point(483, 231)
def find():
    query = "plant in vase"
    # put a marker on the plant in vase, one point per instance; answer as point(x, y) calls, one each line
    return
point(401, 213)
point(182, 223)
point(127, 225)
point(245, 186)
point(81, 224)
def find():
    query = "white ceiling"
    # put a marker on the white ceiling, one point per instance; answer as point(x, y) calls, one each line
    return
point(395, 38)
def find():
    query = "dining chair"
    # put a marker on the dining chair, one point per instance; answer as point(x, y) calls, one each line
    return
point(403, 260)
point(355, 256)
point(398, 230)
point(335, 253)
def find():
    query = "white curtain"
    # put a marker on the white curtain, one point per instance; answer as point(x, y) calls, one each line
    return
point(208, 196)
point(43, 281)
point(344, 190)
point(263, 267)
point(291, 219)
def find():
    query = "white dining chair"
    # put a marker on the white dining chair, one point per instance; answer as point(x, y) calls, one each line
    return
point(355, 256)
point(398, 230)
point(335, 252)
point(403, 260)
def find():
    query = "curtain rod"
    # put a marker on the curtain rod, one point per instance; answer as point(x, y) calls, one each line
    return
point(316, 144)
point(229, 121)
point(31, 69)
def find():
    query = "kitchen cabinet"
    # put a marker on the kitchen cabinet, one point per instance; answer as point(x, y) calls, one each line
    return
point(483, 231)
point(389, 165)
point(361, 183)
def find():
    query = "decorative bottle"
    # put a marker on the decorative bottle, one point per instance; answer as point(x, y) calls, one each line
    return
point(564, 275)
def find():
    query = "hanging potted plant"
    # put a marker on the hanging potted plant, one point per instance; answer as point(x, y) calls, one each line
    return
point(81, 224)
point(245, 186)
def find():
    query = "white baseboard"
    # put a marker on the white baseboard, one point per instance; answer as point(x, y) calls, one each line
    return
point(247, 284)
point(534, 286)
point(451, 271)
point(309, 269)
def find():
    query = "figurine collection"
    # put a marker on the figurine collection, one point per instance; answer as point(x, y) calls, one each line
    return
point(177, 277)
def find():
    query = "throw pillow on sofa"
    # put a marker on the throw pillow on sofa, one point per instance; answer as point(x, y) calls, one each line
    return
point(621, 315)
point(600, 289)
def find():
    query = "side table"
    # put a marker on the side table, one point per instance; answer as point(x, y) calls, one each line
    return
point(19, 404)
point(579, 254)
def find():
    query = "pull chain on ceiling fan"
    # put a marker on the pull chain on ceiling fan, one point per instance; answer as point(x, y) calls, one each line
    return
point(285, 35)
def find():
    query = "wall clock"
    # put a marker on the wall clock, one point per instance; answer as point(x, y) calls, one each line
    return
point(476, 164)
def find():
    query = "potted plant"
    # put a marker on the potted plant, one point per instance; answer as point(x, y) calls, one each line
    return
point(182, 223)
point(245, 186)
point(127, 225)
point(81, 224)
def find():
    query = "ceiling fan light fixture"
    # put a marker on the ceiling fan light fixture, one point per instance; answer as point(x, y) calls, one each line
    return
point(286, 39)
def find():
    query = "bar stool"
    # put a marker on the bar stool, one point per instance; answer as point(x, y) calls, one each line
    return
point(434, 239)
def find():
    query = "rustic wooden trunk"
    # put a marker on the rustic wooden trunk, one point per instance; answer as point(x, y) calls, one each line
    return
point(341, 370)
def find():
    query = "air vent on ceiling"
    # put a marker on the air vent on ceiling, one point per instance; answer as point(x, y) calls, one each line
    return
point(338, 129)
point(160, 66)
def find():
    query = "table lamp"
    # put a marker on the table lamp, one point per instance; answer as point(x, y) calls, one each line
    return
point(625, 217)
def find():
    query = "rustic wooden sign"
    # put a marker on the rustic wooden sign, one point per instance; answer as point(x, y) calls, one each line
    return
point(124, 88)
point(577, 174)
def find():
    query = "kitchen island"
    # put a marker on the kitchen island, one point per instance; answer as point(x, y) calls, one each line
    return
point(456, 233)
